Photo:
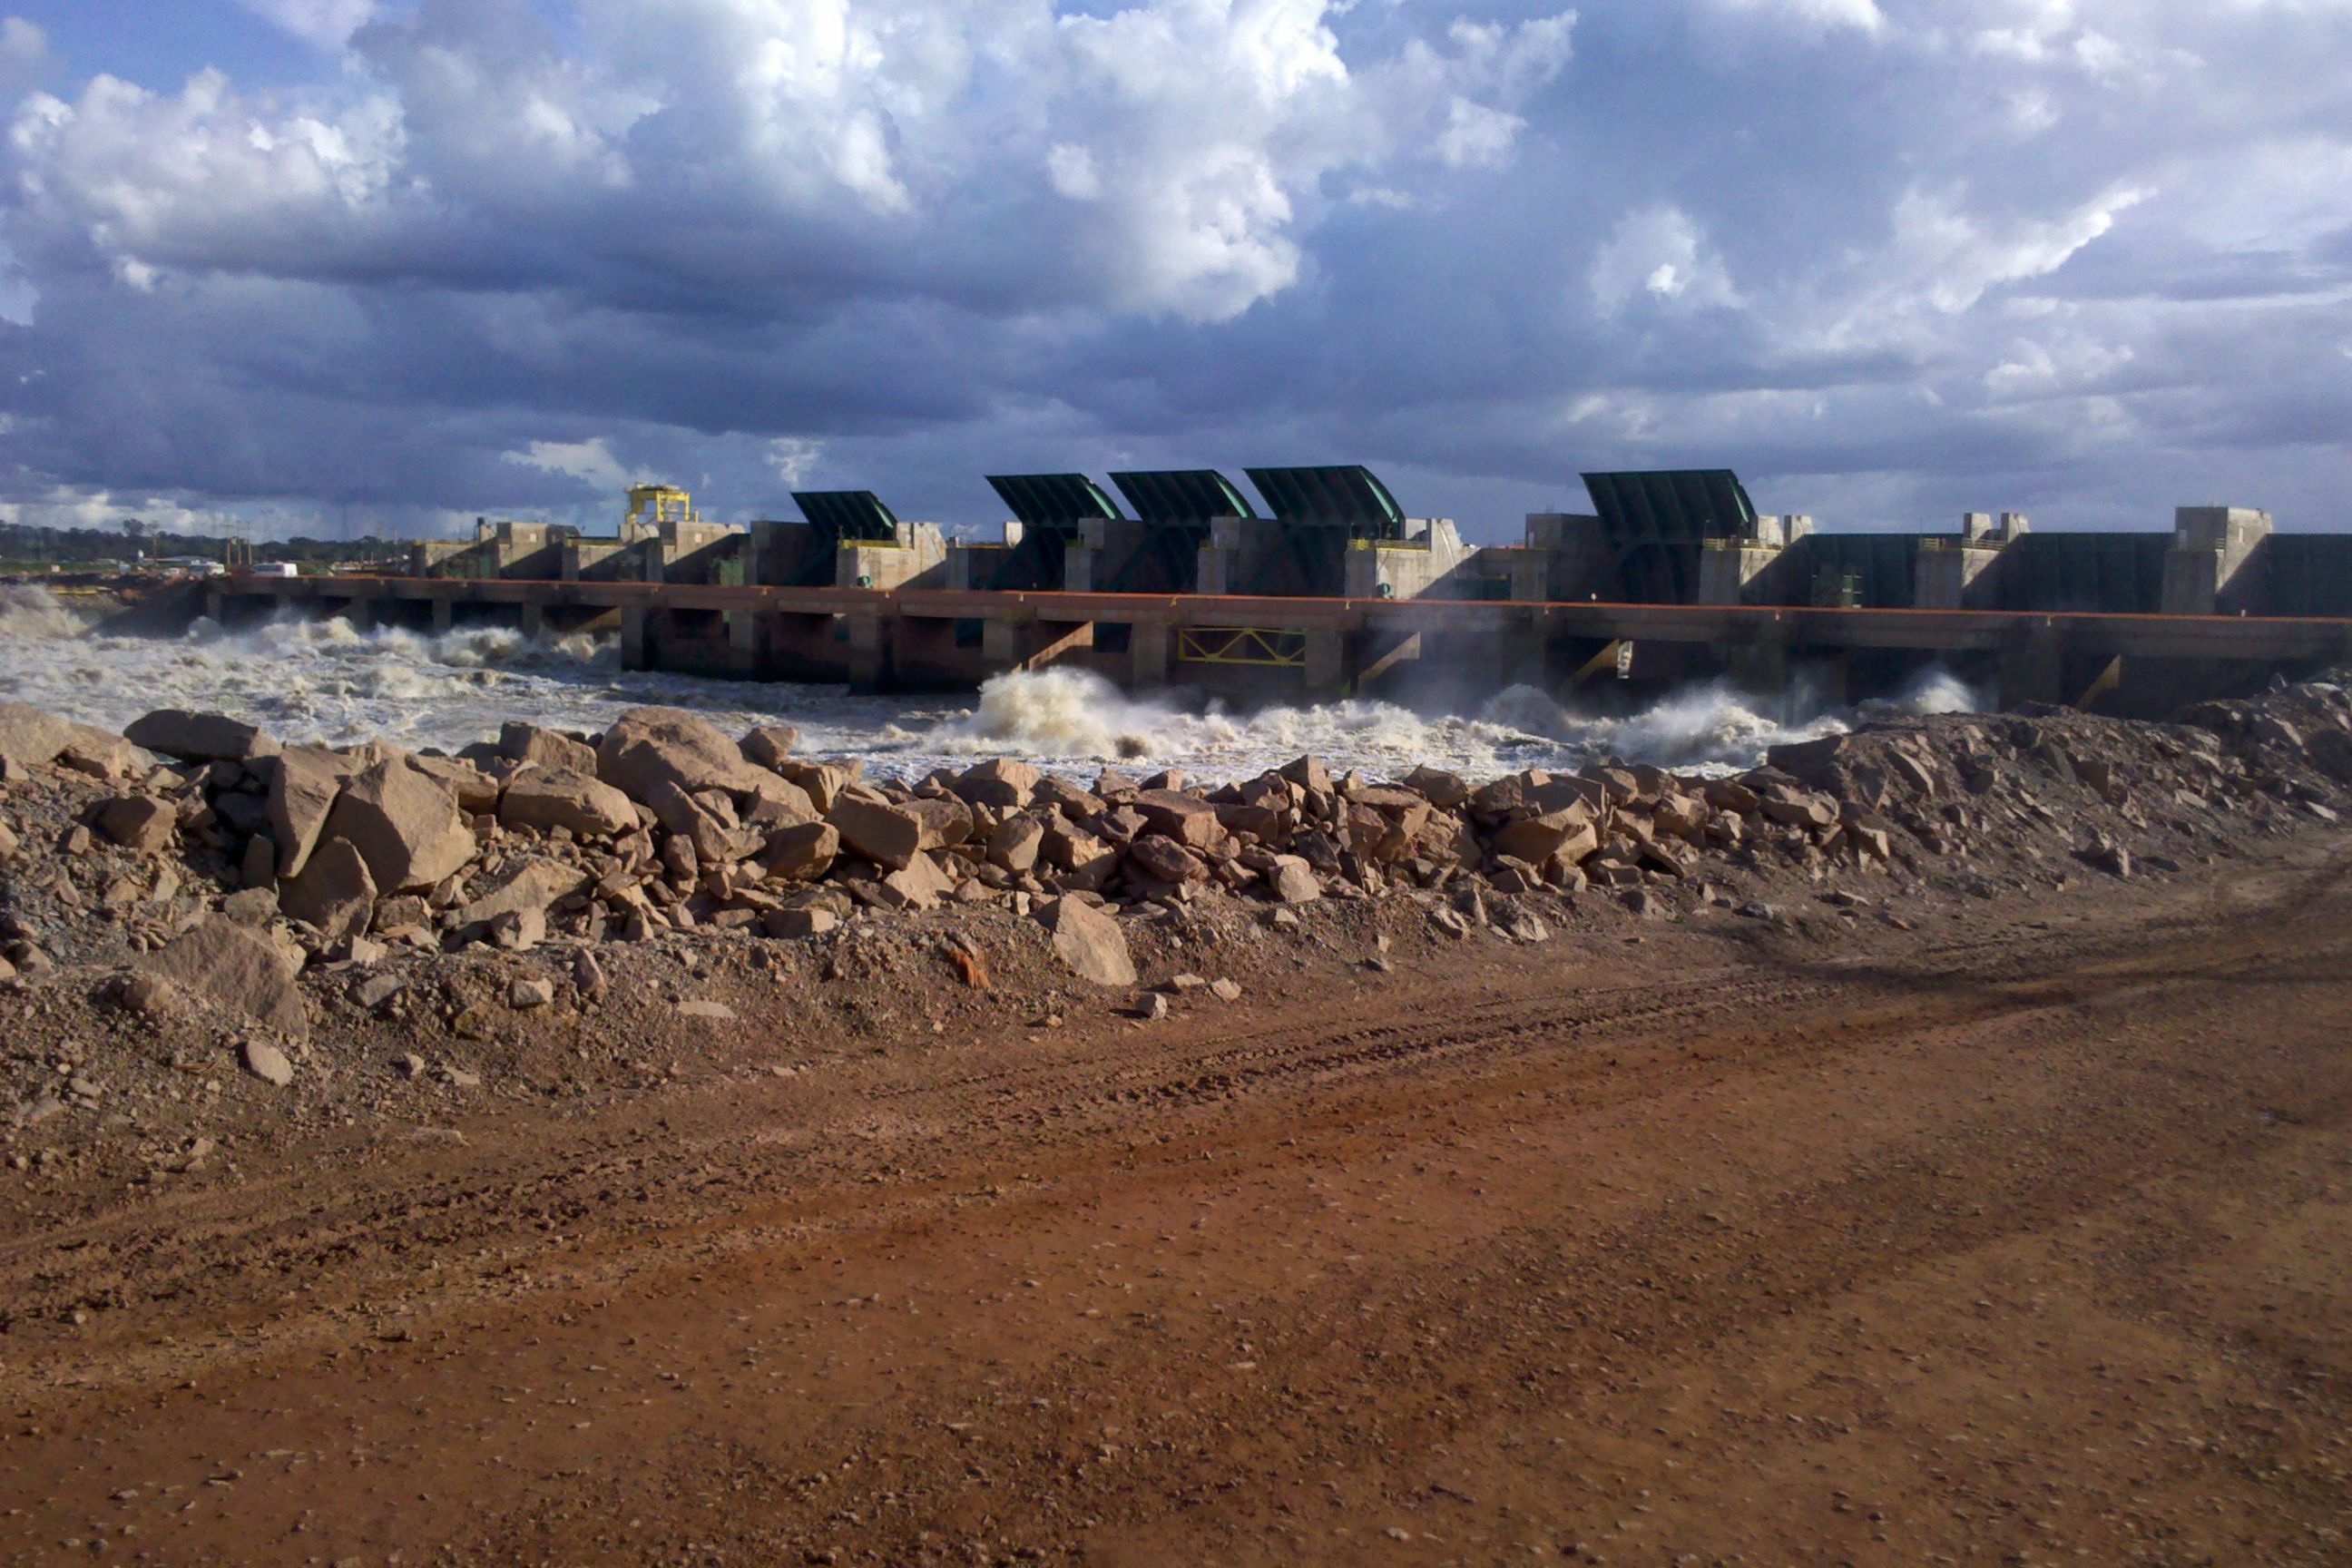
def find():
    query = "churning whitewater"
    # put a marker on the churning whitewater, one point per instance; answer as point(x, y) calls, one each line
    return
point(330, 682)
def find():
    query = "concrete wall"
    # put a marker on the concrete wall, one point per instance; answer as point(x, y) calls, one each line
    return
point(1132, 555)
point(1258, 555)
point(697, 553)
point(1741, 571)
point(2208, 570)
point(974, 566)
point(1760, 568)
point(1956, 571)
point(1229, 558)
point(973, 563)
point(1104, 546)
point(917, 559)
point(782, 555)
point(1574, 556)
point(502, 549)
point(1948, 572)
point(603, 560)
point(1434, 563)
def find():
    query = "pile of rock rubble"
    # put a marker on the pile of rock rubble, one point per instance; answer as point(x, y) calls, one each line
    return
point(239, 860)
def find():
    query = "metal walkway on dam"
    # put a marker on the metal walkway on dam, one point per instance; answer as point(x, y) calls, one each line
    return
point(1273, 649)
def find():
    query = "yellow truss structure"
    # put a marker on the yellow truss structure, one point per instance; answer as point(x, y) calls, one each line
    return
point(667, 503)
point(1241, 644)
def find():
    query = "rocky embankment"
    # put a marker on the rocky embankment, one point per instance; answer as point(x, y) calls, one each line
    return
point(223, 898)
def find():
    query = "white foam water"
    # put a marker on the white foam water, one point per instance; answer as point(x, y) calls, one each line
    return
point(329, 681)
point(29, 614)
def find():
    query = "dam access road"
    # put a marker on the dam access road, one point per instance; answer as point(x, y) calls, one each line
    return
point(2016, 1237)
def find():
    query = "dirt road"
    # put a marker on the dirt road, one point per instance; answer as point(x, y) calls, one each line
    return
point(2021, 1241)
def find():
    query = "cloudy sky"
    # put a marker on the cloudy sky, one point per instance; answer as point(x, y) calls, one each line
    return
point(323, 263)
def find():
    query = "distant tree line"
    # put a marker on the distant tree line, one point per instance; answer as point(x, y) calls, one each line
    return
point(70, 546)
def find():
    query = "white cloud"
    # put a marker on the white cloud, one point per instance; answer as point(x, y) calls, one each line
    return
point(1072, 169)
point(327, 23)
point(201, 178)
point(1521, 59)
point(1189, 142)
point(1944, 258)
point(1813, 17)
point(924, 238)
point(24, 53)
point(590, 461)
point(794, 458)
point(2066, 362)
point(1476, 137)
point(1208, 126)
point(1658, 252)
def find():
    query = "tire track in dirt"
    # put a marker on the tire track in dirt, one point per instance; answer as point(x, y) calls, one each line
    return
point(522, 1204)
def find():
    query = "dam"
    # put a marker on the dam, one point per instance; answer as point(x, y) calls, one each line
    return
point(1337, 593)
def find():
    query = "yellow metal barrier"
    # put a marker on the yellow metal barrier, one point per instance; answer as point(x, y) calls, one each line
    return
point(1241, 644)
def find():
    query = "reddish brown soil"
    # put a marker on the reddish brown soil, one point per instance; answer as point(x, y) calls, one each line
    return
point(2023, 1241)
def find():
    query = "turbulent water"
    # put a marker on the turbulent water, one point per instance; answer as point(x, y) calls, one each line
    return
point(325, 680)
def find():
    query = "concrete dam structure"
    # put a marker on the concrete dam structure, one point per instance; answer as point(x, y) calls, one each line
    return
point(1332, 591)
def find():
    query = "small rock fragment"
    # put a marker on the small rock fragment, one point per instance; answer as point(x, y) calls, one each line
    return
point(266, 1062)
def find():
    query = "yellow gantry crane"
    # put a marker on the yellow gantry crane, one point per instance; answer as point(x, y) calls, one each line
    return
point(666, 503)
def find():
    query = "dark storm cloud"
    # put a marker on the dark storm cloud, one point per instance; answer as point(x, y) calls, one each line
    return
point(1890, 263)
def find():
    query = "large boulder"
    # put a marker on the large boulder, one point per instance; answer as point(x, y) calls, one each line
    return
point(199, 737)
point(821, 782)
point(801, 853)
point(781, 804)
point(946, 819)
point(549, 749)
point(1564, 792)
point(1162, 858)
point(920, 884)
point(1308, 773)
point(473, 789)
point(768, 745)
point(871, 827)
point(689, 818)
point(1292, 881)
point(405, 826)
point(1822, 761)
point(335, 892)
point(1680, 816)
point(584, 806)
point(650, 746)
point(1190, 822)
point(302, 790)
point(1730, 795)
point(1439, 788)
point(93, 751)
point(1800, 808)
point(1083, 859)
point(29, 737)
point(1056, 791)
point(237, 969)
point(1569, 834)
point(1015, 846)
point(1088, 940)
point(529, 887)
point(139, 823)
point(1003, 783)
point(1387, 820)
point(1498, 798)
